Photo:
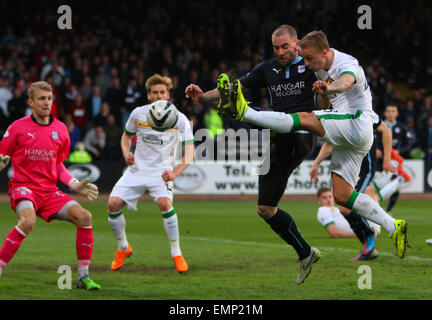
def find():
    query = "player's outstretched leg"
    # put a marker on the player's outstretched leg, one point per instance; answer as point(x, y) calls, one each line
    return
point(223, 86)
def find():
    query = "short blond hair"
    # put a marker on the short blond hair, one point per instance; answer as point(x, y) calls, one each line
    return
point(41, 85)
point(158, 79)
point(316, 39)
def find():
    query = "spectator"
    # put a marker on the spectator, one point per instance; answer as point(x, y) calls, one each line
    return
point(86, 89)
point(101, 118)
point(113, 136)
point(17, 105)
point(74, 131)
point(80, 154)
point(96, 101)
point(55, 70)
point(102, 80)
point(5, 96)
point(79, 113)
point(95, 141)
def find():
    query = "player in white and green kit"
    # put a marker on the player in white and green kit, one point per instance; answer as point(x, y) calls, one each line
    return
point(150, 169)
point(348, 126)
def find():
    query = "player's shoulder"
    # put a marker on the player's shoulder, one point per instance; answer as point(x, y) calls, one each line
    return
point(324, 211)
point(20, 124)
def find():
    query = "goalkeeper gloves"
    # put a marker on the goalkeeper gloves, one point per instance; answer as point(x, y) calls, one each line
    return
point(4, 160)
point(85, 188)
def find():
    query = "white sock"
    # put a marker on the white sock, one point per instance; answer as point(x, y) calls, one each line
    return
point(118, 227)
point(368, 208)
point(172, 230)
point(391, 188)
point(276, 121)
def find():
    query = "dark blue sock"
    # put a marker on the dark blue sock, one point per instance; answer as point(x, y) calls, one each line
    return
point(359, 225)
point(284, 225)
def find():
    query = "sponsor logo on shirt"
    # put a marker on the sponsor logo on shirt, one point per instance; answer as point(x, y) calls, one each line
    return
point(287, 89)
point(41, 155)
point(152, 139)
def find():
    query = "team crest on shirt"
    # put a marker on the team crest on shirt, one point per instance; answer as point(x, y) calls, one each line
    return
point(54, 135)
point(301, 68)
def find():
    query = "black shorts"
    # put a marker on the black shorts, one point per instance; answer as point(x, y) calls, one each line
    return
point(367, 171)
point(287, 152)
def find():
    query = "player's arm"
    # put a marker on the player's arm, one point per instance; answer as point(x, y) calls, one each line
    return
point(336, 233)
point(194, 92)
point(324, 153)
point(341, 84)
point(6, 147)
point(83, 187)
point(126, 143)
point(186, 160)
point(323, 101)
point(387, 147)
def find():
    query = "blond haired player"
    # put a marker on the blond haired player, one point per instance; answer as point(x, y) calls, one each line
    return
point(37, 145)
point(348, 127)
point(150, 169)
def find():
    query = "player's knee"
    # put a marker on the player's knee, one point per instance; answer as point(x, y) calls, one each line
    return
point(27, 223)
point(82, 218)
point(115, 204)
point(164, 204)
point(266, 212)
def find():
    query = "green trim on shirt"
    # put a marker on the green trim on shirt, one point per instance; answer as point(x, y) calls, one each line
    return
point(351, 73)
point(186, 142)
point(128, 132)
point(326, 225)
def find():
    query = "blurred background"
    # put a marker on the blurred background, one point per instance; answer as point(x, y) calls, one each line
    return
point(99, 67)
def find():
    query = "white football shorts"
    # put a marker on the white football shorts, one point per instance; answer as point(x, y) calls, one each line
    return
point(131, 186)
point(351, 135)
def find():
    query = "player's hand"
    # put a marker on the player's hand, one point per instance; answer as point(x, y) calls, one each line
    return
point(193, 92)
point(314, 173)
point(85, 188)
point(389, 167)
point(168, 175)
point(130, 159)
point(320, 87)
point(4, 160)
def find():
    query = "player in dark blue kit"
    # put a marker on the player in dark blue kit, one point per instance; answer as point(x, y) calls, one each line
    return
point(289, 84)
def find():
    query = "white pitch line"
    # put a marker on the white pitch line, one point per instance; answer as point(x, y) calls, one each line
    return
point(263, 244)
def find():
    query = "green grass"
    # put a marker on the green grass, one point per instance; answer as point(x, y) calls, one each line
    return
point(231, 252)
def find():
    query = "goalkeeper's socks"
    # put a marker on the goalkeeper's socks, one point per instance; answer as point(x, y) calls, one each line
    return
point(359, 225)
point(117, 223)
point(10, 245)
point(284, 225)
point(170, 222)
point(84, 248)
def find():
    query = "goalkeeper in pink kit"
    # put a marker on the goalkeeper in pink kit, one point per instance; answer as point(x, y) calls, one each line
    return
point(37, 145)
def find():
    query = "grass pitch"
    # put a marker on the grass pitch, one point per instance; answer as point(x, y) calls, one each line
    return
point(232, 253)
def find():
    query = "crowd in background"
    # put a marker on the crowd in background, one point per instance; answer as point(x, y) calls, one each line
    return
point(99, 67)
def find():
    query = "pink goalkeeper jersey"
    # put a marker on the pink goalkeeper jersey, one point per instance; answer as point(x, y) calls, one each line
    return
point(35, 151)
